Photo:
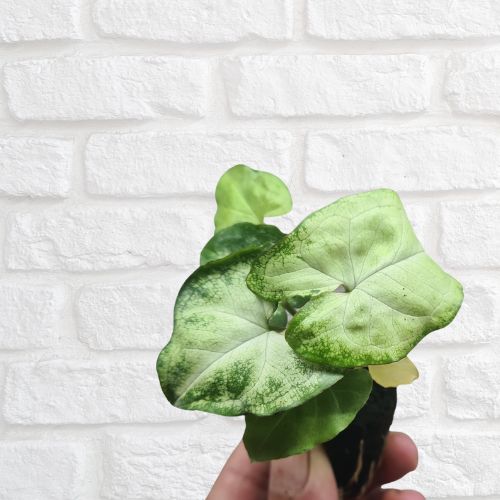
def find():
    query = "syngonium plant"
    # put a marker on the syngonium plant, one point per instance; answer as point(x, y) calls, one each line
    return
point(306, 333)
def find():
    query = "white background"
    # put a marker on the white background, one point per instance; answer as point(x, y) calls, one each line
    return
point(116, 119)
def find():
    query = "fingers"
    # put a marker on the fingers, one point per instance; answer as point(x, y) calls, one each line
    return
point(288, 476)
point(400, 457)
point(306, 477)
point(240, 478)
point(321, 484)
point(309, 476)
point(392, 494)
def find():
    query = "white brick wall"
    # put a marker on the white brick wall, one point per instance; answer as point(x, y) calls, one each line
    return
point(324, 85)
point(24, 20)
point(35, 166)
point(30, 314)
point(408, 159)
point(385, 20)
point(457, 464)
point(470, 234)
point(472, 82)
point(152, 164)
point(41, 469)
point(202, 21)
point(473, 390)
point(155, 465)
point(95, 239)
point(126, 316)
point(85, 392)
point(117, 118)
point(86, 88)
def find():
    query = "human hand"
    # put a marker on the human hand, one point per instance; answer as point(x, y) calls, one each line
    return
point(310, 477)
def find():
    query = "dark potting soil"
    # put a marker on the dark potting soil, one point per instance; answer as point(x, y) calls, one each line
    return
point(356, 451)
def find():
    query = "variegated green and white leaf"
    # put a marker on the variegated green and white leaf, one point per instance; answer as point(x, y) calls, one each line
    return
point(362, 245)
point(223, 356)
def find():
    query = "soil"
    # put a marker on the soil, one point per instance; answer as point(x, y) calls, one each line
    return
point(355, 452)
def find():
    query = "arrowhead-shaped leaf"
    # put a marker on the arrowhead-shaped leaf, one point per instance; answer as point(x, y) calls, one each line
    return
point(223, 356)
point(363, 245)
point(316, 421)
point(242, 236)
point(247, 195)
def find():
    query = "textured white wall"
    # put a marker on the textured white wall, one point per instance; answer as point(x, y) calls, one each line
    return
point(116, 119)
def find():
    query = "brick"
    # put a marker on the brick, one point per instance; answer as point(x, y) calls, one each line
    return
point(326, 85)
point(472, 387)
point(429, 158)
point(94, 239)
point(41, 470)
point(473, 82)
point(478, 320)
point(470, 236)
point(79, 88)
point(461, 465)
point(126, 316)
point(155, 163)
point(388, 20)
point(180, 464)
point(25, 20)
point(86, 392)
point(35, 166)
point(414, 399)
point(207, 21)
point(4, 109)
point(30, 315)
point(421, 217)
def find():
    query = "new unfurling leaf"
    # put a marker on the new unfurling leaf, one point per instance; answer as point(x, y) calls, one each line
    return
point(247, 195)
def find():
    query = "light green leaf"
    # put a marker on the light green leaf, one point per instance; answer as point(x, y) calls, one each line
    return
point(394, 374)
point(223, 356)
point(247, 195)
point(394, 293)
point(314, 422)
point(239, 237)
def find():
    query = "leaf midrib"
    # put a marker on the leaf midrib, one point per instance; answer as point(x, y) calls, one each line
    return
point(226, 313)
point(366, 277)
point(219, 358)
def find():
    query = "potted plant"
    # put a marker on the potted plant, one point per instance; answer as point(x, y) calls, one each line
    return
point(307, 333)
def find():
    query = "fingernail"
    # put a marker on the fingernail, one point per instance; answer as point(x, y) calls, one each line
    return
point(288, 476)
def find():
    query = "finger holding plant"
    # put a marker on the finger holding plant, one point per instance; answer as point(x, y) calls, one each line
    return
point(306, 334)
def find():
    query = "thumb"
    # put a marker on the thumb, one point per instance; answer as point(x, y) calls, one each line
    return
point(303, 477)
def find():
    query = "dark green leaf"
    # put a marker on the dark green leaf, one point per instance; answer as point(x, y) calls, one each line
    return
point(279, 319)
point(316, 421)
point(297, 301)
point(238, 237)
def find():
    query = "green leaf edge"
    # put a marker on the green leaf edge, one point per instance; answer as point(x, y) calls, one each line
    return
point(300, 442)
point(266, 233)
